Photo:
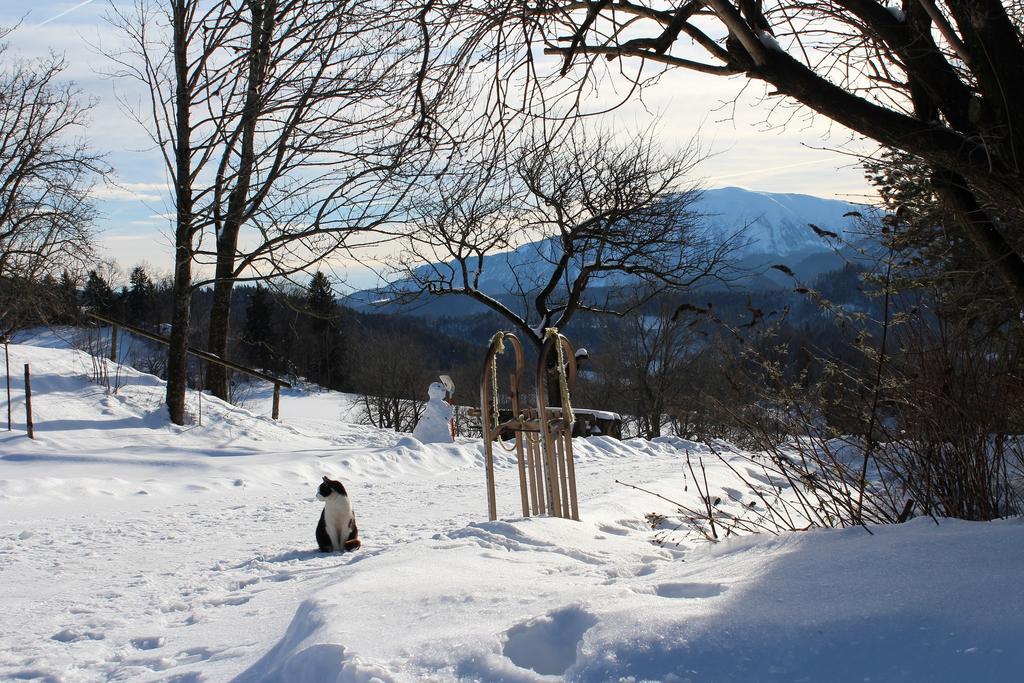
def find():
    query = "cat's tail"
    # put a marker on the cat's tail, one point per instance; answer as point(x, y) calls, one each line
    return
point(353, 538)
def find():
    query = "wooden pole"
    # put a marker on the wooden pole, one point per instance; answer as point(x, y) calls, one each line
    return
point(536, 472)
point(556, 432)
point(492, 503)
point(547, 435)
point(520, 457)
point(563, 472)
point(28, 403)
point(551, 470)
point(569, 422)
point(574, 503)
point(204, 355)
point(7, 367)
point(485, 430)
point(113, 343)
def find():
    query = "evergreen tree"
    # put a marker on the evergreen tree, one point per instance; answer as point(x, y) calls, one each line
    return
point(67, 291)
point(259, 336)
point(321, 301)
point(931, 249)
point(98, 295)
point(140, 299)
point(327, 347)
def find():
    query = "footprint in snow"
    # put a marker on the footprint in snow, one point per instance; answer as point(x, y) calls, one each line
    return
point(548, 644)
point(195, 655)
point(72, 636)
point(147, 642)
point(231, 600)
point(187, 677)
point(689, 590)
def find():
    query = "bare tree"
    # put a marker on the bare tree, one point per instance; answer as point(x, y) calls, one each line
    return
point(286, 126)
point(46, 173)
point(939, 79)
point(390, 374)
point(648, 363)
point(324, 123)
point(172, 69)
point(592, 215)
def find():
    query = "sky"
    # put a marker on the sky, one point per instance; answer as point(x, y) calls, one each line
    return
point(134, 225)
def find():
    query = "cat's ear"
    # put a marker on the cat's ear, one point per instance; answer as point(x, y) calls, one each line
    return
point(325, 478)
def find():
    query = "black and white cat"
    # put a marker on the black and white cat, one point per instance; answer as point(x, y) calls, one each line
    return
point(337, 528)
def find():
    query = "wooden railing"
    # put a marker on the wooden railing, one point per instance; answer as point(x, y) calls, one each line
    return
point(198, 353)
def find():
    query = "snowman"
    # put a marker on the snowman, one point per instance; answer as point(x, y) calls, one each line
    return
point(435, 425)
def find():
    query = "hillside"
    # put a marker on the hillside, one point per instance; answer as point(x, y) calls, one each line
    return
point(776, 223)
point(135, 550)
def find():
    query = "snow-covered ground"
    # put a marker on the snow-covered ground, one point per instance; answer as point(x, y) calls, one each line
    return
point(131, 549)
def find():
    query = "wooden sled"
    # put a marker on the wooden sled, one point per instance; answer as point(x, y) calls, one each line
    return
point(541, 435)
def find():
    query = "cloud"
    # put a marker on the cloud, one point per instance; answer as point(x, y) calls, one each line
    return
point(131, 192)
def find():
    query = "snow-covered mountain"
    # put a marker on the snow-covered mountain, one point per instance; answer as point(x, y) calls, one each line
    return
point(777, 224)
point(768, 228)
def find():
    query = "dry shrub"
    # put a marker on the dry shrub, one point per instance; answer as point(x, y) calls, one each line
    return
point(925, 420)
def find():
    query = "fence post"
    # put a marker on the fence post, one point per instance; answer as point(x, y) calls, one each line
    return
point(7, 367)
point(276, 410)
point(113, 343)
point(28, 403)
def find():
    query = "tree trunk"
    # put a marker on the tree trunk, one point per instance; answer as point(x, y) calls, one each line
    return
point(177, 353)
point(220, 329)
point(262, 23)
point(983, 234)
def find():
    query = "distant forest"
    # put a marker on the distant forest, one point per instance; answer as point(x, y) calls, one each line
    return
point(666, 367)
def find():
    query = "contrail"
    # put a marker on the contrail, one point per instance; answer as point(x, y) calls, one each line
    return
point(67, 11)
point(761, 171)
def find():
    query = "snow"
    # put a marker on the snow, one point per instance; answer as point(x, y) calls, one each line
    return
point(308, 403)
point(132, 549)
point(599, 414)
point(777, 223)
point(769, 41)
point(897, 13)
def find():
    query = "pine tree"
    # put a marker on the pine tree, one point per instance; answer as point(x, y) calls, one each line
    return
point(327, 352)
point(931, 250)
point(259, 336)
point(98, 295)
point(321, 301)
point(141, 297)
point(67, 291)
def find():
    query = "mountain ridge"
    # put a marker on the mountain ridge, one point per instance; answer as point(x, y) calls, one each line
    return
point(772, 227)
